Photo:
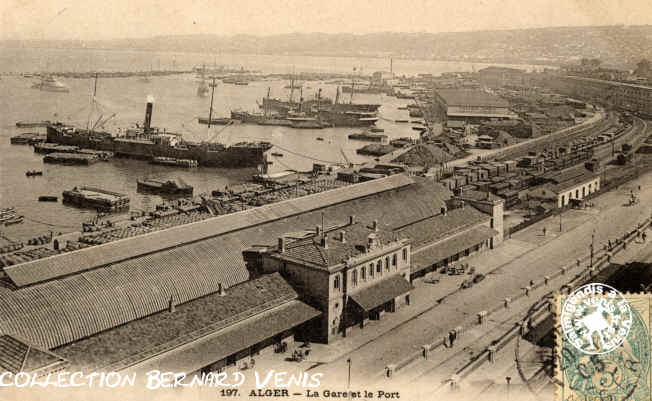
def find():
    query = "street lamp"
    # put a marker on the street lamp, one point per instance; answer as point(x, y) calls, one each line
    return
point(508, 379)
point(348, 360)
point(592, 241)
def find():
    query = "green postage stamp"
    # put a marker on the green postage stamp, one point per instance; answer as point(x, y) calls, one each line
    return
point(602, 345)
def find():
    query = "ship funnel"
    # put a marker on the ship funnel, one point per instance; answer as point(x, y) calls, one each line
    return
point(148, 113)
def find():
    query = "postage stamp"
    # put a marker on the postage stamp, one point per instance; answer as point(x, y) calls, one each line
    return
point(602, 345)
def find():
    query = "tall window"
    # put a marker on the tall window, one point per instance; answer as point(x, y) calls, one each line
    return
point(394, 260)
point(379, 267)
point(563, 200)
point(387, 263)
point(354, 277)
point(371, 270)
point(363, 273)
point(404, 254)
point(336, 282)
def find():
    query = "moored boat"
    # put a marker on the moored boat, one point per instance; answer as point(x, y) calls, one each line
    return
point(47, 198)
point(168, 187)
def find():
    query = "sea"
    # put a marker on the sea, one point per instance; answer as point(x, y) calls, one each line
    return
point(176, 108)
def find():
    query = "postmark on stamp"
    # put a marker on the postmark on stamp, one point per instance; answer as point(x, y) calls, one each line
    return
point(603, 345)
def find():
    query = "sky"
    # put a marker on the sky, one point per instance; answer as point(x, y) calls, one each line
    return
point(111, 19)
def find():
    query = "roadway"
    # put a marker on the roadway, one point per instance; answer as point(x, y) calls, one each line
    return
point(541, 256)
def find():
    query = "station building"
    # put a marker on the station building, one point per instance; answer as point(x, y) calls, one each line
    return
point(352, 272)
point(199, 297)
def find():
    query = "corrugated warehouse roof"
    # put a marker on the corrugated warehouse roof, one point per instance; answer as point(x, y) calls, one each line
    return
point(63, 310)
point(469, 97)
point(116, 251)
point(243, 304)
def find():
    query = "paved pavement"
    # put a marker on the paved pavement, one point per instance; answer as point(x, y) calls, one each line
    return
point(546, 255)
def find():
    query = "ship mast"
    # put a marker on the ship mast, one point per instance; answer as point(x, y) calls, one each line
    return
point(210, 111)
point(92, 108)
point(318, 104)
point(352, 89)
point(291, 89)
point(266, 108)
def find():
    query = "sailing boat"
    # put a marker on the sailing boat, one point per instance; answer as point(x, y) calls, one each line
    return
point(49, 84)
point(210, 120)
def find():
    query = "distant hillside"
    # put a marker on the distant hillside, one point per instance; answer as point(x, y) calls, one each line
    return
point(617, 46)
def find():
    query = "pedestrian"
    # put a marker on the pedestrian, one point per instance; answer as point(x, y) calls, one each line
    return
point(544, 231)
point(644, 236)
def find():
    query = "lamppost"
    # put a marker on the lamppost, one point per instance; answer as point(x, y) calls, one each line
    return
point(592, 241)
point(508, 379)
point(560, 213)
point(348, 360)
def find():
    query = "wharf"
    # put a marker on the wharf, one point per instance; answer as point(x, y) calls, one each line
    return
point(96, 198)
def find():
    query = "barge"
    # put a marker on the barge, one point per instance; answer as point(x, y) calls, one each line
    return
point(369, 137)
point(71, 158)
point(168, 187)
point(96, 198)
point(27, 138)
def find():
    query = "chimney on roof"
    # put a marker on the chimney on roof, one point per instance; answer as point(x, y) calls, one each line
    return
point(281, 244)
point(351, 220)
point(220, 290)
point(324, 241)
point(374, 225)
point(343, 236)
point(172, 306)
point(371, 241)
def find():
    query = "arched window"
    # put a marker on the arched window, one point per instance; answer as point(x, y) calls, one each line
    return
point(336, 282)
point(354, 277)
point(379, 267)
point(387, 263)
point(394, 260)
point(363, 273)
point(404, 253)
point(371, 270)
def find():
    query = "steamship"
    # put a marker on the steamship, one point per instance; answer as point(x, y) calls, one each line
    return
point(148, 142)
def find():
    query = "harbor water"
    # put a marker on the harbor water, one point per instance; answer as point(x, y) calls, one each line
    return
point(176, 108)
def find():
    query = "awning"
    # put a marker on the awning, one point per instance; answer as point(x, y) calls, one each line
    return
point(233, 339)
point(430, 255)
point(382, 292)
